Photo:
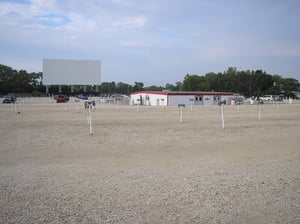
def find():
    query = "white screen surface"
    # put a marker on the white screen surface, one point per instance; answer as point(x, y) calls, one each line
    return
point(71, 72)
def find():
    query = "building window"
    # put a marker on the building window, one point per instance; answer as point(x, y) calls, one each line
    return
point(216, 98)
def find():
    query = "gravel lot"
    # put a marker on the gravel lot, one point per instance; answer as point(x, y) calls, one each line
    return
point(141, 165)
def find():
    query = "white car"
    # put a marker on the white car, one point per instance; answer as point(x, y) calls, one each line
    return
point(266, 98)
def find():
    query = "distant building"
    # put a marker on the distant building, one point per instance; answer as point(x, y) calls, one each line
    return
point(162, 98)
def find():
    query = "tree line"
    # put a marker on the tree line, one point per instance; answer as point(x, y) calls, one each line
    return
point(21, 81)
point(250, 83)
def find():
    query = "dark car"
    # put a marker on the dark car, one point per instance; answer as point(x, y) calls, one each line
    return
point(10, 98)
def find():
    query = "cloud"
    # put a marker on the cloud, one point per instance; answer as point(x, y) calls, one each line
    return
point(130, 22)
point(52, 20)
point(37, 7)
point(27, 14)
point(133, 44)
point(193, 34)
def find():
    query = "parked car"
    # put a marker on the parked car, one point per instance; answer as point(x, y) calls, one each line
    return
point(83, 97)
point(266, 98)
point(60, 99)
point(9, 98)
point(278, 97)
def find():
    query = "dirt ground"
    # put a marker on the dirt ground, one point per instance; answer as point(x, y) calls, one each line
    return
point(141, 165)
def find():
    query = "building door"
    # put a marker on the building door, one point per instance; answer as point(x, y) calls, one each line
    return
point(216, 99)
point(198, 100)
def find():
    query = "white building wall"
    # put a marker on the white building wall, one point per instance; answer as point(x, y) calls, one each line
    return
point(208, 100)
point(165, 99)
point(227, 99)
point(198, 100)
point(174, 100)
point(149, 99)
point(135, 99)
point(157, 100)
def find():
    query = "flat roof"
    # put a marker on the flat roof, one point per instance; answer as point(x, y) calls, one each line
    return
point(184, 93)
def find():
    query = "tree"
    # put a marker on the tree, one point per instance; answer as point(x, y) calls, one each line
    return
point(263, 81)
point(107, 88)
point(138, 86)
point(170, 87)
point(230, 80)
point(289, 86)
point(275, 89)
point(192, 83)
point(19, 81)
point(123, 88)
point(212, 82)
point(178, 86)
point(6, 78)
point(153, 88)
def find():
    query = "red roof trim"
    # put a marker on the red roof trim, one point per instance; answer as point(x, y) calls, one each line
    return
point(183, 93)
point(150, 92)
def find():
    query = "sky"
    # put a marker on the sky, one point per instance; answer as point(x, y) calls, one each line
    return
point(153, 41)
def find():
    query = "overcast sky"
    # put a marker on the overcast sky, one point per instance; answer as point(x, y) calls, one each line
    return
point(153, 41)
